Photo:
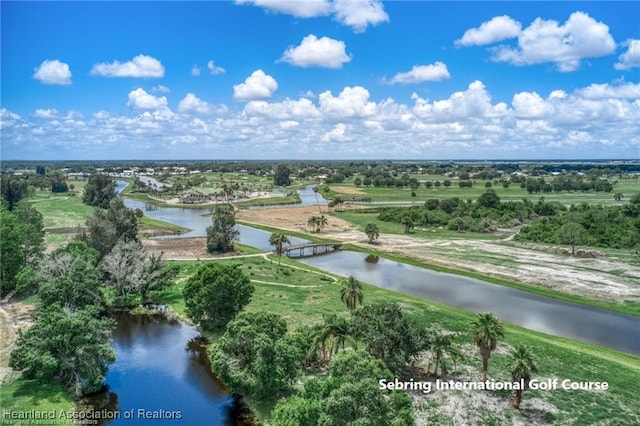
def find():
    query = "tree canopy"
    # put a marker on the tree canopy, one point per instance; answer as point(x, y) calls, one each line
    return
point(70, 346)
point(281, 175)
point(222, 232)
point(107, 227)
point(21, 240)
point(99, 191)
point(350, 395)
point(216, 293)
point(387, 333)
point(256, 355)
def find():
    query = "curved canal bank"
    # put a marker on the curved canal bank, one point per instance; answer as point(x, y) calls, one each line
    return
point(162, 375)
point(539, 313)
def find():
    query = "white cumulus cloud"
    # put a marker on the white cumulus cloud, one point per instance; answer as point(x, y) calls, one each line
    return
point(335, 134)
point(141, 66)
point(53, 72)
point(351, 102)
point(496, 29)
point(46, 113)
point(606, 91)
point(566, 45)
point(195, 71)
point(317, 52)
point(214, 69)
point(257, 86)
point(419, 73)
point(192, 104)
point(297, 8)
point(140, 99)
point(359, 14)
point(630, 58)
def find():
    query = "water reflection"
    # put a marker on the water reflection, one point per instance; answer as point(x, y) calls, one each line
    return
point(538, 313)
point(528, 310)
point(162, 368)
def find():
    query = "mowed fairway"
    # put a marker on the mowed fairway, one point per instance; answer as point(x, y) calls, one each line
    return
point(627, 187)
point(61, 211)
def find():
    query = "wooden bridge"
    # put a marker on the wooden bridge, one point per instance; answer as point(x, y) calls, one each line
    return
point(310, 249)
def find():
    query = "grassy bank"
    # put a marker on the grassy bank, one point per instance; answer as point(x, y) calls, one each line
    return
point(626, 308)
point(23, 396)
point(303, 298)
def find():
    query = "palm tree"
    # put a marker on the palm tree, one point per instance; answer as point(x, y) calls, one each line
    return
point(322, 222)
point(312, 223)
point(372, 231)
point(328, 337)
point(486, 329)
point(521, 366)
point(278, 240)
point(315, 192)
point(351, 293)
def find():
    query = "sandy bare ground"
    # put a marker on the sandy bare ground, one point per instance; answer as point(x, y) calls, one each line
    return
point(293, 218)
point(472, 407)
point(601, 278)
point(14, 316)
point(349, 190)
point(180, 248)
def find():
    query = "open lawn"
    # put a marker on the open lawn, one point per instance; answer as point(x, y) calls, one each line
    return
point(627, 187)
point(303, 298)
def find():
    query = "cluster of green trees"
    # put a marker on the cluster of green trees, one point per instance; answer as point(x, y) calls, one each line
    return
point(16, 187)
point(567, 182)
point(483, 215)
point(99, 190)
point(69, 341)
point(595, 226)
point(258, 356)
point(548, 222)
point(22, 234)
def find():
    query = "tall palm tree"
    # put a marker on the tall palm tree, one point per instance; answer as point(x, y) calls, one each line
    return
point(278, 240)
point(312, 223)
point(521, 366)
point(486, 329)
point(351, 293)
point(330, 336)
point(322, 222)
point(315, 192)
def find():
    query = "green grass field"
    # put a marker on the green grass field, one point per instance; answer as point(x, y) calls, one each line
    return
point(22, 396)
point(303, 298)
point(627, 187)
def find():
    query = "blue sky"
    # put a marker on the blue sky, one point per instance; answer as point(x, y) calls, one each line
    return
point(320, 79)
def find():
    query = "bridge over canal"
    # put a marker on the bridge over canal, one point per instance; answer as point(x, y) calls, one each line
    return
point(310, 249)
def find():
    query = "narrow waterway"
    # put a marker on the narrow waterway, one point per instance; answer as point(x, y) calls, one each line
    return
point(162, 376)
point(547, 315)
